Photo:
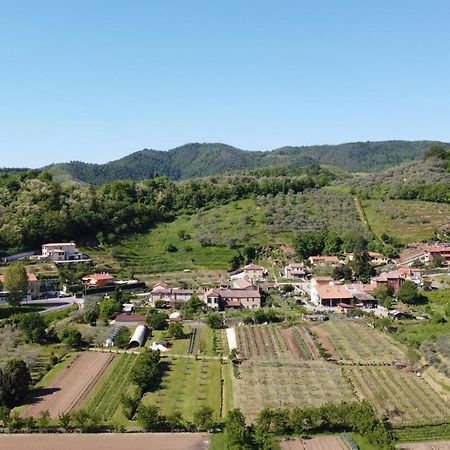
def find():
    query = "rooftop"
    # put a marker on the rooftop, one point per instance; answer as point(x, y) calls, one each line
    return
point(330, 291)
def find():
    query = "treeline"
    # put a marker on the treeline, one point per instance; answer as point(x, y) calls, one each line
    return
point(37, 209)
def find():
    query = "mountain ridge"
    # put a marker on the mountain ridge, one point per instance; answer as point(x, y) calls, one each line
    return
point(206, 159)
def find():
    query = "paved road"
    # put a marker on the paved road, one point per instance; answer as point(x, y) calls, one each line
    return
point(55, 304)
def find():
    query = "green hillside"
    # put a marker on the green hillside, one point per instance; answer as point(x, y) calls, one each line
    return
point(199, 160)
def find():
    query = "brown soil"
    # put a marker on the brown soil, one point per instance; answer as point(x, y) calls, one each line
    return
point(324, 341)
point(107, 441)
point(294, 349)
point(438, 445)
point(317, 443)
point(309, 342)
point(70, 388)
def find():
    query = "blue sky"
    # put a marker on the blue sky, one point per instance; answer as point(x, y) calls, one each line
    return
point(95, 80)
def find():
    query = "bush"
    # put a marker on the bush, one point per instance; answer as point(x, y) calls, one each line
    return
point(215, 321)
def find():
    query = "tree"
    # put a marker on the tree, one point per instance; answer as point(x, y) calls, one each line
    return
point(86, 422)
point(33, 325)
point(309, 243)
point(193, 305)
point(150, 418)
point(384, 293)
point(147, 371)
point(64, 420)
point(123, 338)
point(109, 308)
point(215, 321)
point(156, 320)
point(237, 434)
point(342, 272)
point(409, 294)
point(16, 283)
point(15, 380)
point(361, 265)
point(203, 418)
point(90, 317)
point(175, 330)
point(71, 337)
point(438, 261)
point(435, 151)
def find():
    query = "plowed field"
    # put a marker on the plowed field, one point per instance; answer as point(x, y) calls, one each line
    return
point(69, 389)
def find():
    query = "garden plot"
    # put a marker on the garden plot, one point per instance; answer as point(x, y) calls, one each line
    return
point(308, 383)
point(357, 343)
point(104, 400)
point(300, 343)
point(401, 396)
point(70, 388)
point(261, 342)
point(188, 385)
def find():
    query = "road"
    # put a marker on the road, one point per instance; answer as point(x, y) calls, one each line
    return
point(55, 303)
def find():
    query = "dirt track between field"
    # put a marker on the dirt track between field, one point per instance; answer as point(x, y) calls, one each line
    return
point(324, 341)
point(70, 388)
point(107, 441)
point(317, 443)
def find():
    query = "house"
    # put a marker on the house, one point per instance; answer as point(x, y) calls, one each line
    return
point(361, 296)
point(253, 272)
point(393, 279)
point(343, 308)
point(98, 280)
point(442, 251)
point(33, 287)
point(241, 283)
point(233, 298)
point(316, 281)
point(295, 270)
point(414, 254)
point(61, 252)
point(377, 259)
point(162, 291)
point(321, 261)
point(330, 295)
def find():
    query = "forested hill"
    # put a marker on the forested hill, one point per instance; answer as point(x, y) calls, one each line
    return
point(199, 160)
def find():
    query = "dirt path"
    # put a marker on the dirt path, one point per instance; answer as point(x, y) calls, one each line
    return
point(107, 441)
point(70, 388)
point(317, 443)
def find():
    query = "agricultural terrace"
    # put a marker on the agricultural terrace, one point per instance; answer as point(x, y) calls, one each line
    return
point(407, 220)
point(104, 400)
point(357, 343)
point(401, 396)
point(188, 385)
point(70, 388)
point(271, 343)
point(309, 383)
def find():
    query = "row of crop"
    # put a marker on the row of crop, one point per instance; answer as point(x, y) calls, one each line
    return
point(192, 339)
point(107, 399)
point(298, 338)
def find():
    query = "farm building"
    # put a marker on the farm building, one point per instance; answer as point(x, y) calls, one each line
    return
point(109, 341)
point(330, 295)
point(130, 319)
point(174, 295)
point(139, 337)
point(250, 272)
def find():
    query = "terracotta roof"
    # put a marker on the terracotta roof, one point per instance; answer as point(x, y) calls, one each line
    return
point(325, 258)
point(130, 318)
point(243, 284)
point(376, 255)
point(333, 291)
point(296, 266)
point(99, 276)
point(233, 303)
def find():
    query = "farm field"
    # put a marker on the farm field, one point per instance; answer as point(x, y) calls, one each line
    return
point(401, 396)
point(308, 383)
point(357, 343)
point(104, 399)
point(271, 343)
point(407, 220)
point(188, 385)
point(69, 389)
point(106, 441)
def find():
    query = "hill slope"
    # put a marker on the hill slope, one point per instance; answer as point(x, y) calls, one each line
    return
point(198, 160)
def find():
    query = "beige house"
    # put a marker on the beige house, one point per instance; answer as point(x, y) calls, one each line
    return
point(233, 298)
point(33, 288)
point(295, 270)
point(59, 252)
point(253, 272)
point(324, 260)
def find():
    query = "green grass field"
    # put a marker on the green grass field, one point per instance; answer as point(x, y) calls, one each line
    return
point(104, 401)
point(407, 220)
point(188, 385)
point(239, 222)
